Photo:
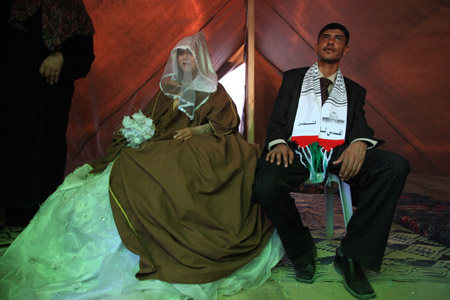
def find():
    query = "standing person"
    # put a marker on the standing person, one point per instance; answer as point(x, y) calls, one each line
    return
point(165, 214)
point(49, 44)
point(311, 133)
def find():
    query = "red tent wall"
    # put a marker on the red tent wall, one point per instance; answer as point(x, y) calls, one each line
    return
point(398, 52)
point(132, 43)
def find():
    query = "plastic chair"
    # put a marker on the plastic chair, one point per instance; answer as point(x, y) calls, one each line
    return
point(344, 195)
point(346, 202)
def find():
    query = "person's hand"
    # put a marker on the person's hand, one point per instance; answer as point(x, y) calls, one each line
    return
point(280, 153)
point(51, 67)
point(184, 134)
point(352, 159)
point(187, 133)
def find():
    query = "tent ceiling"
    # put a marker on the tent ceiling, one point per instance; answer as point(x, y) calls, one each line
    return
point(398, 52)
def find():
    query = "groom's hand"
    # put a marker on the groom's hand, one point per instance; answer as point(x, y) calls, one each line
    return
point(280, 153)
point(352, 159)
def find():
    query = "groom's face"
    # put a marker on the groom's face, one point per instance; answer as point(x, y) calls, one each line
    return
point(331, 46)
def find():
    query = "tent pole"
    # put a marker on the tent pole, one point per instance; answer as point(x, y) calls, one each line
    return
point(250, 72)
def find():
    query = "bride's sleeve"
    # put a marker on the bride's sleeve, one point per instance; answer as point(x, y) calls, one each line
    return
point(221, 112)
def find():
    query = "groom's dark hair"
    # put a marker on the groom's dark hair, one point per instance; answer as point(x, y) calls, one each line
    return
point(336, 26)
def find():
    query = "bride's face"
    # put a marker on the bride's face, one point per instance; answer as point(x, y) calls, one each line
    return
point(186, 60)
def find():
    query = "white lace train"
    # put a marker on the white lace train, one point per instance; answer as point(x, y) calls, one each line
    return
point(72, 250)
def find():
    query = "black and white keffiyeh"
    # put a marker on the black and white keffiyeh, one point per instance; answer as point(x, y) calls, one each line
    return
point(318, 129)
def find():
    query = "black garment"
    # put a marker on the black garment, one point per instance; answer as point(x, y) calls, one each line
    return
point(378, 185)
point(37, 113)
point(271, 189)
point(285, 109)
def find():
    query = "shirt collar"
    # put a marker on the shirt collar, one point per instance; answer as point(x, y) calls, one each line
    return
point(332, 77)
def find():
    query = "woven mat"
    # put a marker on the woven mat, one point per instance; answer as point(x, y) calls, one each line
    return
point(8, 234)
point(408, 257)
point(425, 216)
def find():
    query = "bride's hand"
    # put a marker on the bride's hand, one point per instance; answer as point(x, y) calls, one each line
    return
point(187, 133)
point(184, 134)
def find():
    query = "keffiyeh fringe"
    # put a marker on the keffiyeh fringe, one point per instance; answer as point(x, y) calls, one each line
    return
point(315, 158)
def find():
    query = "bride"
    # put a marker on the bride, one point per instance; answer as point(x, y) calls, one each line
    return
point(166, 214)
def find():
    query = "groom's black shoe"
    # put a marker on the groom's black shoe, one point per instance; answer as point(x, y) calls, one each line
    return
point(355, 281)
point(307, 273)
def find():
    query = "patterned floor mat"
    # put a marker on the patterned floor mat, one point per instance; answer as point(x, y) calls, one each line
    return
point(408, 257)
point(7, 236)
point(423, 215)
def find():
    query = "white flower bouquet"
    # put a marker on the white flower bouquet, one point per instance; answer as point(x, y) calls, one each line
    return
point(137, 129)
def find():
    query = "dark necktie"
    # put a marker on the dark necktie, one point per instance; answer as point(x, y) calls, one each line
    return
point(324, 84)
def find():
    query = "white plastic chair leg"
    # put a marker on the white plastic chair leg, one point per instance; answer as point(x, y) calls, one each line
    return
point(346, 202)
point(329, 209)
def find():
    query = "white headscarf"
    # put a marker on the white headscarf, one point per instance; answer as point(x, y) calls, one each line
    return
point(183, 85)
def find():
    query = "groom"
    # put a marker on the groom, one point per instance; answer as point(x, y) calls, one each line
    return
point(317, 126)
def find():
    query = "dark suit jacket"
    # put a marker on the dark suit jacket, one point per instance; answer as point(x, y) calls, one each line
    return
point(285, 109)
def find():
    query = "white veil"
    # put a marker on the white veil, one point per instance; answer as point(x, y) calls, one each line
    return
point(192, 89)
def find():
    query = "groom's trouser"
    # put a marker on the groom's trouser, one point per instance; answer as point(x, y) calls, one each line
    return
point(377, 187)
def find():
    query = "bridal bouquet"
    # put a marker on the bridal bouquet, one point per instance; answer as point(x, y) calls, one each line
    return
point(137, 129)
